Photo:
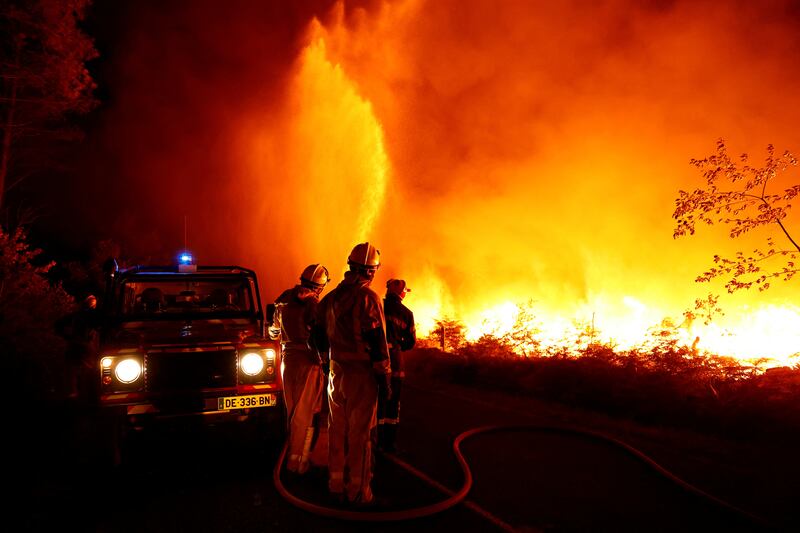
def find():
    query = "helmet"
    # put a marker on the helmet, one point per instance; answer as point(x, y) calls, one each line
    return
point(152, 299)
point(365, 256)
point(397, 286)
point(315, 276)
point(90, 302)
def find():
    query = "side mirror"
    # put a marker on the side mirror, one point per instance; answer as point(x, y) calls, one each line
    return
point(270, 312)
point(110, 267)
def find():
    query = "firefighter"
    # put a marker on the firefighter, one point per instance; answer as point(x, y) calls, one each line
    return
point(303, 380)
point(350, 332)
point(401, 335)
point(81, 331)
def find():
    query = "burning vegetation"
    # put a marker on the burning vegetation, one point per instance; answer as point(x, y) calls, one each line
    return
point(525, 166)
point(518, 166)
point(528, 192)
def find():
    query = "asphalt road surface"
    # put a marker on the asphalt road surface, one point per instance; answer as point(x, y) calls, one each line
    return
point(220, 479)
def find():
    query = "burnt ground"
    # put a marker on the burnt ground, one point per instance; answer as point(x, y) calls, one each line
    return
point(220, 478)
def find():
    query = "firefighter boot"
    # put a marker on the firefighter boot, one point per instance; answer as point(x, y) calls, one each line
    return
point(304, 464)
point(389, 435)
point(293, 464)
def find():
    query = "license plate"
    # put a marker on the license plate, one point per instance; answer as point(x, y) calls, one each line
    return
point(242, 402)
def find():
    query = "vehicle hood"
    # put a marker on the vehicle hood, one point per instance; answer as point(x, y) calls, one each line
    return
point(181, 332)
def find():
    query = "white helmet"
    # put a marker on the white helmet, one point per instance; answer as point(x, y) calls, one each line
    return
point(365, 257)
point(314, 276)
point(398, 287)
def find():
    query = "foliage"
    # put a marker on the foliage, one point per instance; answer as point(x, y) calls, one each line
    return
point(44, 78)
point(665, 384)
point(489, 345)
point(87, 276)
point(736, 195)
point(30, 305)
point(522, 338)
point(449, 334)
point(662, 337)
point(705, 308)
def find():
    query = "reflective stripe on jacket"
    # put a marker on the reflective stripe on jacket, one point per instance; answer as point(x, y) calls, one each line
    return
point(294, 315)
point(401, 331)
point(347, 312)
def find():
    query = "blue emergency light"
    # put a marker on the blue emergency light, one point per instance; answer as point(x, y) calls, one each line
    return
point(186, 263)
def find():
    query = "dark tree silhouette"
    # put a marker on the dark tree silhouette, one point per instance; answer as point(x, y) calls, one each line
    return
point(30, 306)
point(523, 337)
point(43, 55)
point(738, 196)
point(706, 309)
point(449, 334)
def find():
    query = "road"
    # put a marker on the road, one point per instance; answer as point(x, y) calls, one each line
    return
point(215, 479)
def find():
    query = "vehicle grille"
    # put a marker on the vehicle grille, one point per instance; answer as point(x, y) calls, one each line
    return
point(185, 371)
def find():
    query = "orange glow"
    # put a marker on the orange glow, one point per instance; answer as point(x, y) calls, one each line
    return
point(537, 161)
point(626, 327)
point(337, 135)
point(495, 153)
point(320, 166)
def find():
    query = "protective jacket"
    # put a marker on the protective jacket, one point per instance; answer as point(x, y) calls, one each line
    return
point(303, 381)
point(351, 330)
point(401, 333)
point(81, 330)
point(354, 324)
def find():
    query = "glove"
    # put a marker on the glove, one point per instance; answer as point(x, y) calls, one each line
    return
point(384, 386)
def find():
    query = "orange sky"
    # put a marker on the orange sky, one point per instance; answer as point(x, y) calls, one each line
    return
point(494, 152)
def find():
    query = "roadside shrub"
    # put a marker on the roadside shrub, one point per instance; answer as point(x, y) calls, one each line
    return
point(664, 384)
point(30, 305)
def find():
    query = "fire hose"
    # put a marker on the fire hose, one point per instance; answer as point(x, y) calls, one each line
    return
point(459, 496)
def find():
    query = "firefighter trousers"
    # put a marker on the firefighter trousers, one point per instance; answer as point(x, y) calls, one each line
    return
point(389, 416)
point(303, 383)
point(352, 398)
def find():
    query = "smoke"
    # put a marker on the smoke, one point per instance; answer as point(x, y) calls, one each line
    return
point(538, 148)
point(212, 117)
point(493, 152)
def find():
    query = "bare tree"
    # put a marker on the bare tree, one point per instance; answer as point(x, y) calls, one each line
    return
point(738, 195)
point(704, 308)
point(43, 76)
point(523, 337)
point(30, 306)
point(449, 334)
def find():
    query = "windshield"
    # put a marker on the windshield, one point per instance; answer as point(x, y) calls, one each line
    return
point(164, 298)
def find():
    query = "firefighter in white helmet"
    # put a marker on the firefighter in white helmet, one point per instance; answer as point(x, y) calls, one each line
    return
point(303, 379)
point(401, 335)
point(350, 330)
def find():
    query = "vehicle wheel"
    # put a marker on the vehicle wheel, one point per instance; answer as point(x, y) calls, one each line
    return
point(270, 430)
point(276, 424)
point(113, 440)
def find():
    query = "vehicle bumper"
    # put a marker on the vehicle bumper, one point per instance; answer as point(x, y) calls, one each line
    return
point(211, 405)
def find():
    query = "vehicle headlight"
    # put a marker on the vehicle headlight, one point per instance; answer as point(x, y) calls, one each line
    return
point(128, 370)
point(252, 363)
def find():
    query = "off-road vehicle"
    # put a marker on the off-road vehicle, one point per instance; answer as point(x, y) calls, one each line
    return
point(185, 341)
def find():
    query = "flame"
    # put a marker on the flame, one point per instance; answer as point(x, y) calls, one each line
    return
point(524, 176)
point(330, 109)
point(320, 165)
point(764, 332)
point(494, 156)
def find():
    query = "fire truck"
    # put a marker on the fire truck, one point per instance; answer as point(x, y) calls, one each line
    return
point(185, 341)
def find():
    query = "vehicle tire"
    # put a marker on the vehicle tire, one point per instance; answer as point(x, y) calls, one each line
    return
point(113, 439)
point(276, 424)
point(270, 429)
